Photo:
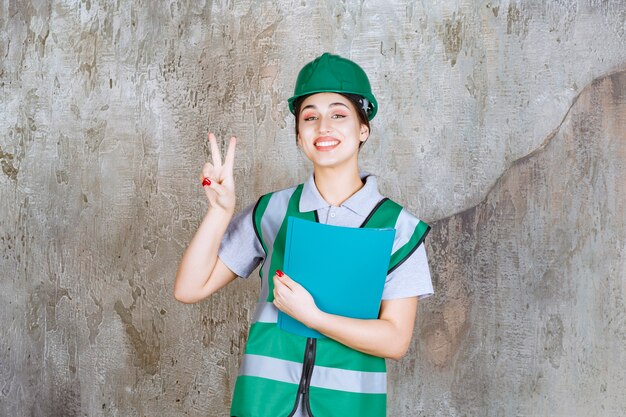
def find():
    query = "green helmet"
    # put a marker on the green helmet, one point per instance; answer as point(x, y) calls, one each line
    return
point(333, 74)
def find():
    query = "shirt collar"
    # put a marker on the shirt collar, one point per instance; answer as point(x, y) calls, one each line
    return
point(362, 202)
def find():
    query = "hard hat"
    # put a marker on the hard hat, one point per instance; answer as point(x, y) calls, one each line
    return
point(333, 74)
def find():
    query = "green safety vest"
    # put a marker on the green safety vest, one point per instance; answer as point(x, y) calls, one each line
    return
point(280, 368)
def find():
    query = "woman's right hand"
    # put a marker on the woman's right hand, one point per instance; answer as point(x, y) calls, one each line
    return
point(220, 187)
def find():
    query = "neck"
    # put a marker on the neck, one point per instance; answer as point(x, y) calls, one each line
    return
point(336, 186)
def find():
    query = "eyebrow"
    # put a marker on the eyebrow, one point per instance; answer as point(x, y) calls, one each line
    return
point(312, 106)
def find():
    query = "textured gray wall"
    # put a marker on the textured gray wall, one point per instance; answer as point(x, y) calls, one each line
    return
point(501, 123)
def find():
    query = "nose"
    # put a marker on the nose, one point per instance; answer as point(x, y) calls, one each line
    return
point(325, 125)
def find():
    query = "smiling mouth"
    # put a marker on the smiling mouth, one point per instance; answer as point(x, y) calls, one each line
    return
point(326, 143)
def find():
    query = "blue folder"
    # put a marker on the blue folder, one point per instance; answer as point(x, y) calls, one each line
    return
point(344, 269)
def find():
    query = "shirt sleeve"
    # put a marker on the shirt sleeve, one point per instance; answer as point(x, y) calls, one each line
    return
point(241, 250)
point(411, 278)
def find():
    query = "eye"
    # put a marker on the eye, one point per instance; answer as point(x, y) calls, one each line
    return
point(309, 116)
point(339, 116)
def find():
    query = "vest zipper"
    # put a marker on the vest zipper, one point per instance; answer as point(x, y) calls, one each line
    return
point(305, 379)
point(311, 350)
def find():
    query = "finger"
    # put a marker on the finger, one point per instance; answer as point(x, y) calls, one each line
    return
point(278, 278)
point(206, 179)
point(218, 188)
point(277, 283)
point(207, 171)
point(215, 151)
point(287, 281)
point(230, 153)
point(279, 288)
point(210, 195)
point(276, 294)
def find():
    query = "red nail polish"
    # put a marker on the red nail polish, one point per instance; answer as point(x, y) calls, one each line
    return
point(206, 181)
point(279, 273)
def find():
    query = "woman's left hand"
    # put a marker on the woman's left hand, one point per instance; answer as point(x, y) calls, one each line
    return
point(293, 299)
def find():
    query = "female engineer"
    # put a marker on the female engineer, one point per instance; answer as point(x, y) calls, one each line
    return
point(283, 374)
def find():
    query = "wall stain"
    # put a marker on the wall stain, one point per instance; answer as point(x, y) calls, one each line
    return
point(94, 320)
point(7, 370)
point(94, 135)
point(147, 345)
point(446, 324)
point(494, 10)
point(6, 160)
point(552, 339)
point(451, 34)
point(517, 20)
point(64, 401)
point(47, 295)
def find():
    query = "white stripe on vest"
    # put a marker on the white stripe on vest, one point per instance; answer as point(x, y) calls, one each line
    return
point(405, 227)
point(322, 377)
point(270, 225)
point(265, 312)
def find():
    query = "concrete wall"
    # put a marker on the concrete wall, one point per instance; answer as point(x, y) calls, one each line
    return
point(501, 123)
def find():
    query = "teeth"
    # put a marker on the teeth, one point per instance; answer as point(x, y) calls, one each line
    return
point(327, 143)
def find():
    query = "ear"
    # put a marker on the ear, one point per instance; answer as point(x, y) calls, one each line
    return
point(298, 140)
point(365, 133)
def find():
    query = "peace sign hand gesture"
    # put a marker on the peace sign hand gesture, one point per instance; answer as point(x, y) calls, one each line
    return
point(217, 178)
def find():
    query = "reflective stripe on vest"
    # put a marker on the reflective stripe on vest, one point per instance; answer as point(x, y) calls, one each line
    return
point(268, 228)
point(344, 382)
point(265, 313)
point(323, 376)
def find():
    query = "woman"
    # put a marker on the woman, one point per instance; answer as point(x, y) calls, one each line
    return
point(283, 374)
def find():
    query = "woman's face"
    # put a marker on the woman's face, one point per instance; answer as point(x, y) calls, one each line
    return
point(329, 130)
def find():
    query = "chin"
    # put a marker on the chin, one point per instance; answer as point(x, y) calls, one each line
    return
point(330, 163)
point(331, 160)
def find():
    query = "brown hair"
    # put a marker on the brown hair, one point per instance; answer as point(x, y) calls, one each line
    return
point(356, 101)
